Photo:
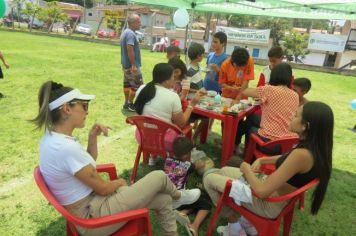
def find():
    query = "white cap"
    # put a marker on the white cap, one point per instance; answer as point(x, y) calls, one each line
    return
point(73, 94)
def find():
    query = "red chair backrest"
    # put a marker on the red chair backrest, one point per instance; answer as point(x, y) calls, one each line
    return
point(138, 219)
point(51, 199)
point(286, 145)
point(152, 133)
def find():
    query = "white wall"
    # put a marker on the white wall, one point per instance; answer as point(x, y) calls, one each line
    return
point(315, 58)
point(346, 57)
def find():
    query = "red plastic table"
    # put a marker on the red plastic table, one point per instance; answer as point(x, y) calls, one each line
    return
point(229, 131)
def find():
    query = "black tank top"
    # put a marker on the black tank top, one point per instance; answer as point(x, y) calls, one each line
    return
point(298, 180)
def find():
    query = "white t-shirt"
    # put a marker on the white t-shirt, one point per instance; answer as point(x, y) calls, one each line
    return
point(163, 105)
point(61, 156)
point(267, 73)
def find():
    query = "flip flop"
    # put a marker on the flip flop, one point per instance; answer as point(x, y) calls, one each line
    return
point(182, 218)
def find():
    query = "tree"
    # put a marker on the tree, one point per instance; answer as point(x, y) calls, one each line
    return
point(311, 24)
point(83, 3)
point(241, 21)
point(18, 5)
point(31, 11)
point(278, 27)
point(295, 45)
point(52, 14)
point(114, 24)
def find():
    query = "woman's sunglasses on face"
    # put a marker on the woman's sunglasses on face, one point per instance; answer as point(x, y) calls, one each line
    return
point(85, 104)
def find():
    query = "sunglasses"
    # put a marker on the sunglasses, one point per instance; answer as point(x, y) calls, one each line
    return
point(85, 104)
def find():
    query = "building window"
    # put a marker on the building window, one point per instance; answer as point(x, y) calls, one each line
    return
point(90, 14)
point(256, 52)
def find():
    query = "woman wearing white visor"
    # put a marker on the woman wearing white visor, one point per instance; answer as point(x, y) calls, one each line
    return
point(69, 169)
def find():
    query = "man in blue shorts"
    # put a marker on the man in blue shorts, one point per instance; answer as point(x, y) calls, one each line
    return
point(131, 60)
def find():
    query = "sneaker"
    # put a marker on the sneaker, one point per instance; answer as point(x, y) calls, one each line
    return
point(187, 197)
point(247, 226)
point(125, 106)
point(131, 107)
point(152, 161)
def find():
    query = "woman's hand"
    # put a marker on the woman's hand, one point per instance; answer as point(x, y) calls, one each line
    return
point(245, 167)
point(196, 98)
point(99, 129)
point(121, 182)
point(256, 165)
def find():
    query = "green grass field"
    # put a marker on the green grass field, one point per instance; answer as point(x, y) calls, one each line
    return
point(95, 68)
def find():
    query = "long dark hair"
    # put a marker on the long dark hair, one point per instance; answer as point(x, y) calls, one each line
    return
point(161, 72)
point(319, 120)
point(281, 74)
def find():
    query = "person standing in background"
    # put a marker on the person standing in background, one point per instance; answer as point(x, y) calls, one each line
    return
point(131, 60)
point(1, 74)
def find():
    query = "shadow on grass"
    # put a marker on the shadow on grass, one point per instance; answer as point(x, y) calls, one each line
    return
point(57, 227)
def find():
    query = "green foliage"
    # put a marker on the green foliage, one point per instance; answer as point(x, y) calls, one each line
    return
point(295, 44)
point(52, 14)
point(311, 23)
point(113, 23)
point(31, 10)
point(83, 3)
point(278, 27)
point(242, 21)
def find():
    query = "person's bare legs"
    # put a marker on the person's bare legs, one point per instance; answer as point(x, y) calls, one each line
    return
point(126, 93)
point(199, 218)
point(131, 95)
point(199, 128)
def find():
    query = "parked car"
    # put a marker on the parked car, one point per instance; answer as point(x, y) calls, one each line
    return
point(83, 29)
point(36, 24)
point(106, 33)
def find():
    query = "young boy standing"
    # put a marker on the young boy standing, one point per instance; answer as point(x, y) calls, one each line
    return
point(194, 75)
point(214, 62)
point(275, 57)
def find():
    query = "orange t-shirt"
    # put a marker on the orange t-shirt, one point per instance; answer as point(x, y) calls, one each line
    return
point(231, 75)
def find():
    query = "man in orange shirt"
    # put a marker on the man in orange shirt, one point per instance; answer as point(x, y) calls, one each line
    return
point(235, 73)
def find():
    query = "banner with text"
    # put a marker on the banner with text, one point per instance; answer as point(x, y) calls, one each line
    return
point(245, 35)
point(327, 42)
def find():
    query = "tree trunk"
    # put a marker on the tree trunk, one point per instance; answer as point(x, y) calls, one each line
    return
point(31, 23)
point(295, 58)
point(207, 28)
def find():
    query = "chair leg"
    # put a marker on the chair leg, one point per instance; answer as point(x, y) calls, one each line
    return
point(301, 202)
point(287, 222)
point(214, 218)
point(135, 167)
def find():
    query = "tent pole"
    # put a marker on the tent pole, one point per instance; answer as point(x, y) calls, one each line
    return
point(188, 39)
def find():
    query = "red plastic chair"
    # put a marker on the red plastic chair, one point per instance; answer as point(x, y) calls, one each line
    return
point(264, 226)
point(138, 220)
point(252, 152)
point(152, 132)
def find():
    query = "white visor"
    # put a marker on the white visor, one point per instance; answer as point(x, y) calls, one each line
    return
point(74, 94)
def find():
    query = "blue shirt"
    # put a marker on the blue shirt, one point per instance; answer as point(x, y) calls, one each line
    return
point(129, 37)
point(212, 77)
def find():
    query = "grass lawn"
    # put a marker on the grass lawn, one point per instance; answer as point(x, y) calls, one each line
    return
point(96, 69)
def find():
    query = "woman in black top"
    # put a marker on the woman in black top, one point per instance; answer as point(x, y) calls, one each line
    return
point(312, 158)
